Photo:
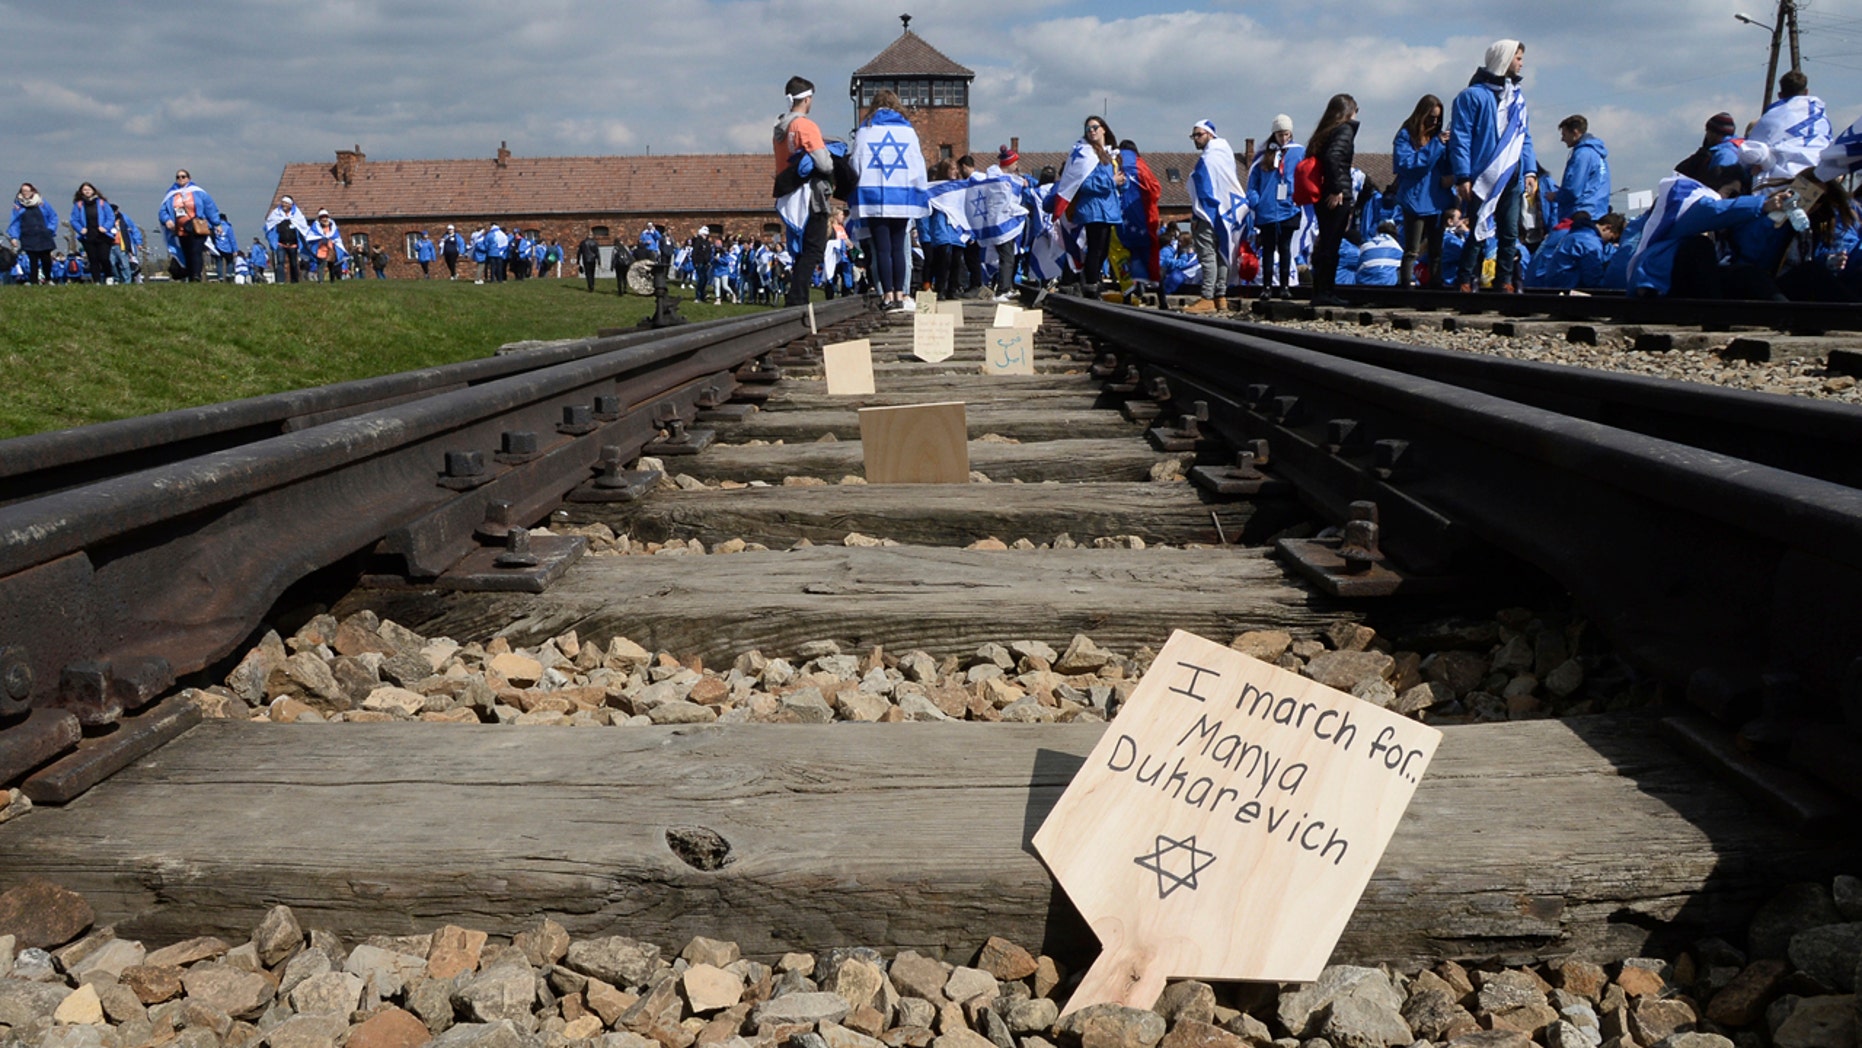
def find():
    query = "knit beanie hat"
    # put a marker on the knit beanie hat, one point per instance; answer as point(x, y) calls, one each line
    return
point(1283, 122)
point(1006, 156)
point(1500, 57)
point(1721, 124)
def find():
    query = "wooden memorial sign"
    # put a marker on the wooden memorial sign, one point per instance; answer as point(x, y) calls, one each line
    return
point(1005, 315)
point(849, 366)
point(925, 301)
point(933, 337)
point(1030, 319)
point(953, 310)
point(1008, 351)
point(916, 444)
point(1227, 822)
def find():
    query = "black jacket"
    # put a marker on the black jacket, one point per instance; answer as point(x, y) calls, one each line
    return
point(1335, 157)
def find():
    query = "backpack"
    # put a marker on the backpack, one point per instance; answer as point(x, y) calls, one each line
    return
point(1307, 182)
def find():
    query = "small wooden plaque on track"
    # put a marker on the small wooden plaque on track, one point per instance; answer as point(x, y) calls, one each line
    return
point(916, 444)
point(849, 367)
point(953, 310)
point(1227, 822)
point(924, 302)
point(933, 337)
point(1005, 316)
point(1008, 351)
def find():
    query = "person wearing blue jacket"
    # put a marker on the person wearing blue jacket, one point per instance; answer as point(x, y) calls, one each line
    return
point(258, 259)
point(188, 215)
point(423, 254)
point(93, 220)
point(1585, 185)
point(1674, 258)
point(124, 247)
point(34, 232)
point(1454, 244)
point(1088, 192)
point(1379, 257)
point(1489, 146)
point(1577, 254)
point(1420, 156)
point(225, 246)
point(1270, 199)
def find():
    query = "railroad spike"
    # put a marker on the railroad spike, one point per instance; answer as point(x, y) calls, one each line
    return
point(84, 689)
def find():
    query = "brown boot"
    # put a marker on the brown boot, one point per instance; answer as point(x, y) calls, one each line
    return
point(1221, 304)
point(1201, 305)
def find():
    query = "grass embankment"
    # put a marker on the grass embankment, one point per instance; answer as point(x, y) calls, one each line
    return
point(82, 353)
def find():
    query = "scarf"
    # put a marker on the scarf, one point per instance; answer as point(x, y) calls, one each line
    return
point(1511, 124)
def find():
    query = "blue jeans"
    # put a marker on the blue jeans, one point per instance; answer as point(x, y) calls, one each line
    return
point(1506, 232)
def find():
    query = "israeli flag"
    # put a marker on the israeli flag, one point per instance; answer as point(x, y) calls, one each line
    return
point(1500, 169)
point(1673, 198)
point(1217, 196)
point(1796, 130)
point(1080, 164)
point(984, 208)
point(1843, 155)
point(1057, 248)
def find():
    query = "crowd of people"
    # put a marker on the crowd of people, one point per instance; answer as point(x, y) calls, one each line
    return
point(1764, 214)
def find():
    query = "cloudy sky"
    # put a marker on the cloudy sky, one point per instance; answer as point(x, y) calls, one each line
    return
point(121, 92)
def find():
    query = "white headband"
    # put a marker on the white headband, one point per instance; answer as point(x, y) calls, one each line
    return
point(804, 94)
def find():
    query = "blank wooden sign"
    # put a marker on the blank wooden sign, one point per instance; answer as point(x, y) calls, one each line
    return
point(849, 366)
point(953, 310)
point(1030, 319)
point(916, 444)
point(1008, 351)
point(1227, 822)
point(1005, 315)
point(933, 337)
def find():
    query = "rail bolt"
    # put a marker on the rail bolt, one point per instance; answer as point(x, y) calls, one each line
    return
point(15, 680)
point(675, 430)
point(607, 404)
point(1390, 456)
point(518, 442)
point(516, 551)
point(1259, 394)
point(465, 463)
point(577, 414)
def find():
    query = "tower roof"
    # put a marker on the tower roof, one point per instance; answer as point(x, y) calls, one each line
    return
point(909, 55)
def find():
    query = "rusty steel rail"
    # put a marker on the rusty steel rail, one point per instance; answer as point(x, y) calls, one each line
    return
point(1617, 308)
point(1731, 578)
point(110, 590)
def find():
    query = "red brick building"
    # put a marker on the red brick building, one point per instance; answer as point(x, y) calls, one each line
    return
point(567, 198)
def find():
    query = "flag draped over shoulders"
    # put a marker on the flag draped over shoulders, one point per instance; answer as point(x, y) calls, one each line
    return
point(1080, 163)
point(1514, 125)
point(891, 168)
point(1794, 132)
point(1217, 196)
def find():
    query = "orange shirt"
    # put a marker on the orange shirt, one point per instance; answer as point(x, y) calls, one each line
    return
point(803, 137)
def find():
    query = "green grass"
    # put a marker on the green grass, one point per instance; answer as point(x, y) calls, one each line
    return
point(80, 354)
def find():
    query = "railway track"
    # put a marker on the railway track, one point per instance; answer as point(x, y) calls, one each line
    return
point(1337, 489)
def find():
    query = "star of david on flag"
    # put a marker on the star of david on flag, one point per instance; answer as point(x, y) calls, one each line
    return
point(1233, 213)
point(886, 167)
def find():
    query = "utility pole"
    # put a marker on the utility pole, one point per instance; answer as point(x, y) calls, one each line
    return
point(1777, 39)
point(1790, 7)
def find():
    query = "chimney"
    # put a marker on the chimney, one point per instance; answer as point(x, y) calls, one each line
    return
point(347, 161)
point(1015, 144)
point(504, 154)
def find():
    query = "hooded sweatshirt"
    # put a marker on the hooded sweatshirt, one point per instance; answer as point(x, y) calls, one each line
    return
point(1476, 123)
point(1586, 183)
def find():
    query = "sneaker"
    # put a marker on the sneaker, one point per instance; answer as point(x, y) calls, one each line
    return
point(478, 281)
point(1201, 305)
point(1007, 296)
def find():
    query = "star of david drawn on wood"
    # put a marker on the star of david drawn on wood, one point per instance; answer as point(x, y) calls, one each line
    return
point(886, 167)
point(1167, 879)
